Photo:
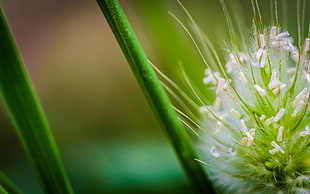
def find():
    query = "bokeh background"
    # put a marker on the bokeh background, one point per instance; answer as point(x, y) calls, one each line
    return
point(107, 135)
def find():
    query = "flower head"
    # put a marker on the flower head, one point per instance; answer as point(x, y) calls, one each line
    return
point(257, 133)
point(262, 103)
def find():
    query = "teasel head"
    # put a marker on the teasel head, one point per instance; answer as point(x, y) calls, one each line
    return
point(255, 135)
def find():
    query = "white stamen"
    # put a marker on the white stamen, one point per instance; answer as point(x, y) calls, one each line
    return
point(298, 106)
point(249, 137)
point(263, 59)
point(235, 113)
point(248, 133)
point(229, 66)
point(243, 57)
point(231, 152)
point(276, 149)
point(218, 126)
point(262, 42)
point(269, 121)
point(280, 134)
point(244, 140)
point(260, 90)
point(259, 53)
point(303, 94)
point(273, 32)
point(275, 91)
point(299, 101)
point(273, 81)
point(304, 133)
point(233, 59)
point(249, 141)
point(282, 86)
point(273, 151)
point(279, 115)
point(274, 84)
point(222, 85)
point(242, 78)
point(262, 117)
point(293, 50)
point(252, 132)
point(214, 152)
point(243, 127)
point(282, 35)
point(217, 104)
point(210, 78)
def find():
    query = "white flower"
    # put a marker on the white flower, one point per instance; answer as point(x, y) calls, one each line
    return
point(261, 111)
point(264, 115)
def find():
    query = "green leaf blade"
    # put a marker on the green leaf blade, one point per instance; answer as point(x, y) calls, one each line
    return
point(28, 118)
point(8, 185)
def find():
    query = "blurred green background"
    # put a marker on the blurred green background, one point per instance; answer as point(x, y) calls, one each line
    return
point(107, 135)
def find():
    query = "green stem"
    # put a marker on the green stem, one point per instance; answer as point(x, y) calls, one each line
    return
point(2, 190)
point(28, 117)
point(9, 186)
point(155, 94)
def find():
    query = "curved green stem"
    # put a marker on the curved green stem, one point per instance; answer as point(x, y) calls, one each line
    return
point(155, 94)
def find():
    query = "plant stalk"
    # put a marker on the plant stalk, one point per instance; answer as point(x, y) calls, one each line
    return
point(28, 117)
point(155, 94)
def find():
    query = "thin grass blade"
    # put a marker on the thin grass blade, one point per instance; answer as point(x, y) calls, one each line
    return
point(8, 185)
point(2, 190)
point(27, 116)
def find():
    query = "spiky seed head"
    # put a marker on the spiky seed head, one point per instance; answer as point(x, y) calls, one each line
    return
point(270, 132)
